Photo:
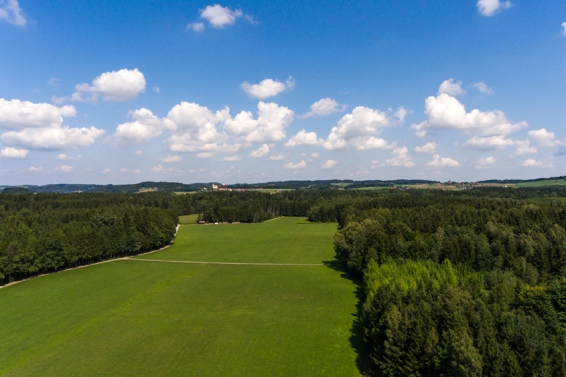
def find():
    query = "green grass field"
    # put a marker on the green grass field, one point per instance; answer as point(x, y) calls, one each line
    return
point(546, 182)
point(143, 318)
point(188, 219)
point(284, 240)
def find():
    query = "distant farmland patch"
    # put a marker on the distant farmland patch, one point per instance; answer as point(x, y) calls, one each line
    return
point(546, 182)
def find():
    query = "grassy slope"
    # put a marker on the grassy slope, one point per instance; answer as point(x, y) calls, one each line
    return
point(548, 182)
point(135, 318)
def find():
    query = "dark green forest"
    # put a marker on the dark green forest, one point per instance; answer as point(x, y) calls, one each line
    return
point(44, 233)
point(455, 283)
point(458, 284)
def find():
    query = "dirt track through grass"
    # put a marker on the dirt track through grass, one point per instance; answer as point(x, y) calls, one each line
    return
point(225, 263)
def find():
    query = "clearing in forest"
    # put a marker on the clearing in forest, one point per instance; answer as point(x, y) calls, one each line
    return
point(283, 240)
point(143, 318)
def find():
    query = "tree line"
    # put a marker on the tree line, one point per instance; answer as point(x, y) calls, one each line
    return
point(43, 233)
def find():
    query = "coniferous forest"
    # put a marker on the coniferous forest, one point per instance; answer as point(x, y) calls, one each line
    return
point(461, 283)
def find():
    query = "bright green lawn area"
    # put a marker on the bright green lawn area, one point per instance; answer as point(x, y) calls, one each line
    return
point(283, 240)
point(142, 318)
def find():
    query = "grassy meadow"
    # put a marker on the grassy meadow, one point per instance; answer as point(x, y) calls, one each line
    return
point(137, 317)
point(546, 182)
point(284, 240)
point(188, 219)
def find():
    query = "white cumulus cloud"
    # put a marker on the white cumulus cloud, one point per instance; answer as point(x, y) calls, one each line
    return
point(64, 156)
point(65, 169)
point(218, 16)
point(429, 147)
point(358, 130)
point(122, 85)
point(53, 138)
point(193, 117)
point(145, 126)
point(169, 159)
point(485, 162)
point(277, 157)
point(303, 138)
point(489, 7)
point(16, 114)
point(299, 165)
point(564, 29)
point(11, 12)
point(204, 155)
point(260, 152)
point(445, 112)
point(443, 162)
point(40, 126)
point(450, 87)
point(523, 147)
point(10, 152)
point(325, 106)
point(195, 129)
point(329, 164)
point(196, 26)
point(270, 125)
point(401, 158)
point(489, 143)
point(530, 162)
point(543, 138)
point(536, 138)
point(268, 88)
point(482, 87)
point(232, 158)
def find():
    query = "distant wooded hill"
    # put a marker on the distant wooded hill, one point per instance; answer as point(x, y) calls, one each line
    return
point(274, 185)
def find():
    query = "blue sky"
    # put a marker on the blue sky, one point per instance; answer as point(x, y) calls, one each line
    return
point(251, 91)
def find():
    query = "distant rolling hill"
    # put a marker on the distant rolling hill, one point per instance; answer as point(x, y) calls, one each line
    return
point(274, 185)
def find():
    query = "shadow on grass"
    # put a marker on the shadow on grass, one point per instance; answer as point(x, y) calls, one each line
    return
point(357, 331)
